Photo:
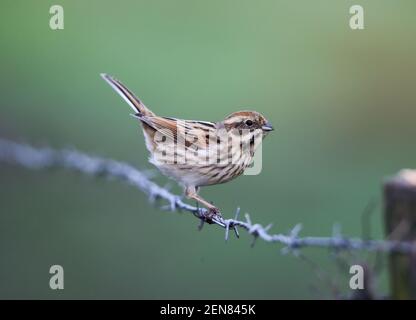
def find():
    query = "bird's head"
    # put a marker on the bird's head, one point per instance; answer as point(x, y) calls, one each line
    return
point(247, 120)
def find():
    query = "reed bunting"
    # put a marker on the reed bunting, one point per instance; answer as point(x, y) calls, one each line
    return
point(198, 153)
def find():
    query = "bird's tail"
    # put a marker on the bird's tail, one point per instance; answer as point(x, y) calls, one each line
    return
point(138, 107)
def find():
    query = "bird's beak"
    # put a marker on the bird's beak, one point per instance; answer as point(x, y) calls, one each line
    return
point(267, 127)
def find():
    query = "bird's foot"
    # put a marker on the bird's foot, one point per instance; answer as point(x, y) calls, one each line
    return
point(212, 212)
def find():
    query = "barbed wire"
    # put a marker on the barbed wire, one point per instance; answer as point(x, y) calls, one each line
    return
point(37, 158)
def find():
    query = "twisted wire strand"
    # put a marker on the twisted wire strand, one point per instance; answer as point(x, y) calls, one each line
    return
point(36, 158)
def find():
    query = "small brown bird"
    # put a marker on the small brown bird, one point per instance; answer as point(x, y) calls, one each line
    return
point(198, 153)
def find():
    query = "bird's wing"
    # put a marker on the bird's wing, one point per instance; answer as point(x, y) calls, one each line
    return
point(190, 131)
point(159, 124)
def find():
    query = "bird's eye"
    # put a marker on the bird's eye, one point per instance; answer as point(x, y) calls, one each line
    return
point(249, 123)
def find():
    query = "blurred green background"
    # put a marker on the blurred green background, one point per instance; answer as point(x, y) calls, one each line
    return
point(343, 103)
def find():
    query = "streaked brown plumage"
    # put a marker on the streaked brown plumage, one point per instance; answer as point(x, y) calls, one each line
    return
point(197, 153)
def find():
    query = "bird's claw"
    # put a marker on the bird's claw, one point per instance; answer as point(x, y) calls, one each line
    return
point(212, 213)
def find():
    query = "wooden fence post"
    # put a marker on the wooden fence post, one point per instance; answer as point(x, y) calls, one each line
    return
point(400, 224)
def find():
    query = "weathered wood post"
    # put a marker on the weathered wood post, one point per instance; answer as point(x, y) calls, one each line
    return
point(400, 224)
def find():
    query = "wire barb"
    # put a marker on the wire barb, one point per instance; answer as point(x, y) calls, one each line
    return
point(227, 229)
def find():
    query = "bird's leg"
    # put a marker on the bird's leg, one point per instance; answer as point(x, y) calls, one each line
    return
point(191, 193)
